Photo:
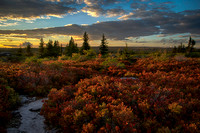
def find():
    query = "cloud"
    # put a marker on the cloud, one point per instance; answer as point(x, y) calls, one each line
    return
point(25, 44)
point(4, 24)
point(91, 2)
point(180, 23)
point(161, 35)
point(13, 46)
point(162, 16)
point(96, 11)
point(103, 2)
point(148, 22)
point(173, 41)
point(117, 30)
point(127, 16)
point(115, 12)
point(25, 9)
point(96, 8)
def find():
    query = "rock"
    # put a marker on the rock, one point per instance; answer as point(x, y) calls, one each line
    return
point(16, 114)
point(23, 99)
point(15, 122)
point(133, 78)
point(13, 130)
point(27, 118)
point(35, 109)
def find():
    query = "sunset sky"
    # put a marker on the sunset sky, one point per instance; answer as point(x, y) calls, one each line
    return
point(160, 23)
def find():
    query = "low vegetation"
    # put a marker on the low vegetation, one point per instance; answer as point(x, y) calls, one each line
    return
point(113, 92)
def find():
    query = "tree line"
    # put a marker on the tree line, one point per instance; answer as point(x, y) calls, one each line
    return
point(54, 49)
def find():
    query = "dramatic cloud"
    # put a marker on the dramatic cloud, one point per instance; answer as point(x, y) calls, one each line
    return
point(4, 24)
point(25, 44)
point(127, 16)
point(42, 9)
point(117, 30)
point(26, 9)
point(96, 11)
point(96, 8)
point(173, 41)
point(103, 2)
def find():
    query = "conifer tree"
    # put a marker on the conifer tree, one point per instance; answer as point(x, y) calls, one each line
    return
point(56, 49)
point(49, 48)
point(85, 45)
point(61, 50)
point(103, 47)
point(28, 50)
point(71, 48)
point(191, 44)
point(41, 48)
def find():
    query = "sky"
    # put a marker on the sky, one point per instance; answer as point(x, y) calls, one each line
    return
point(139, 23)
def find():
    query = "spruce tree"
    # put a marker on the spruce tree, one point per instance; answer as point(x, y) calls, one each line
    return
point(49, 48)
point(56, 49)
point(71, 48)
point(61, 50)
point(85, 45)
point(41, 48)
point(28, 50)
point(191, 44)
point(103, 47)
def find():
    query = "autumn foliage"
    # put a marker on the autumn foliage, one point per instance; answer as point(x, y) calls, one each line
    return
point(164, 98)
point(91, 97)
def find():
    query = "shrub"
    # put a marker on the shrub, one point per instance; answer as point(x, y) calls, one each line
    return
point(33, 60)
point(112, 62)
point(92, 105)
point(8, 100)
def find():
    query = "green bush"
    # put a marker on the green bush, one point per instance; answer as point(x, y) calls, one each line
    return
point(33, 60)
point(90, 53)
point(160, 56)
point(63, 57)
point(111, 61)
point(13, 97)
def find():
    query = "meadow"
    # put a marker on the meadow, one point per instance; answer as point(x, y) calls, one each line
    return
point(158, 92)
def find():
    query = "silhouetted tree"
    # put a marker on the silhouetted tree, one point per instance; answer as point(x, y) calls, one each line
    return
point(61, 50)
point(181, 49)
point(56, 49)
point(41, 48)
point(174, 49)
point(85, 45)
point(71, 48)
point(49, 48)
point(126, 52)
point(191, 44)
point(20, 51)
point(28, 50)
point(103, 47)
